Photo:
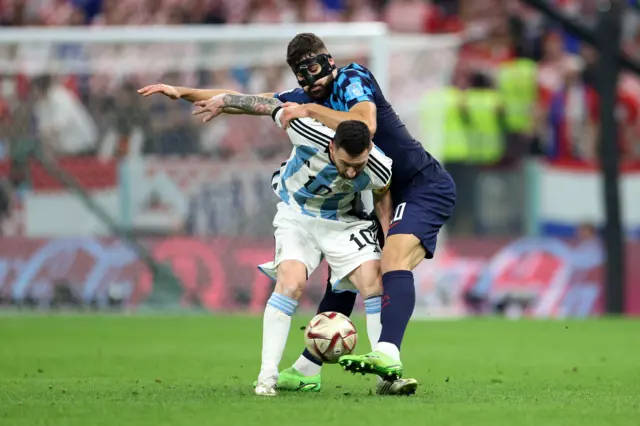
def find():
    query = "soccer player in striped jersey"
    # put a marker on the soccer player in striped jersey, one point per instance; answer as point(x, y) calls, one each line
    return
point(319, 216)
point(422, 191)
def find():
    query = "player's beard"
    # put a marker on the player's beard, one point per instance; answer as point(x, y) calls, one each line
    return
point(319, 92)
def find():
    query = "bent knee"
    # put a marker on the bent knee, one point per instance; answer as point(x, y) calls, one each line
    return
point(367, 278)
point(372, 287)
point(292, 277)
point(401, 253)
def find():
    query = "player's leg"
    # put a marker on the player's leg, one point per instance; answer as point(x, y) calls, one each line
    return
point(304, 375)
point(412, 237)
point(292, 276)
point(368, 281)
point(366, 278)
point(296, 258)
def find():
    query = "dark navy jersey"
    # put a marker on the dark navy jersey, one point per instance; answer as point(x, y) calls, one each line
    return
point(355, 84)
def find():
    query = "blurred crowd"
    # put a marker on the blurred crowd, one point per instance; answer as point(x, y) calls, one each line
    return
point(537, 79)
point(401, 15)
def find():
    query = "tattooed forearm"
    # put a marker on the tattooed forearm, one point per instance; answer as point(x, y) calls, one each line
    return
point(251, 104)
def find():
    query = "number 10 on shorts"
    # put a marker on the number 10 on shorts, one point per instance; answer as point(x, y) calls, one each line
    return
point(397, 216)
point(365, 238)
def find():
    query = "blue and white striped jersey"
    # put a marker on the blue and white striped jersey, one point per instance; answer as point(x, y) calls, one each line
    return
point(309, 182)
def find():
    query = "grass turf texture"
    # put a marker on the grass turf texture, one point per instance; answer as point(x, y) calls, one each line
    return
point(198, 370)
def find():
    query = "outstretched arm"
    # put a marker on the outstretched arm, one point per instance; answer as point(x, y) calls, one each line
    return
point(246, 104)
point(193, 95)
point(364, 111)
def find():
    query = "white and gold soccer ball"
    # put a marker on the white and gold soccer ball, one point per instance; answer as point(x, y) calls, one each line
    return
point(330, 335)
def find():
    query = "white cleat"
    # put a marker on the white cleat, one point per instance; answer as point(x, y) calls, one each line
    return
point(267, 387)
point(397, 387)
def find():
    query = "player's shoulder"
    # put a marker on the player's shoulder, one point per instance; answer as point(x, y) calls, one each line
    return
point(297, 95)
point(379, 165)
point(379, 156)
point(307, 131)
point(347, 73)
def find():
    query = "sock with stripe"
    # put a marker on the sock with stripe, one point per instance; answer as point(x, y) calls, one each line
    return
point(372, 308)
point(275, 331)
point(398, 302)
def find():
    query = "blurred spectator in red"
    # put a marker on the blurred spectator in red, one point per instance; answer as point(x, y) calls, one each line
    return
point(64, 124)
point(269, 11)
point(17, 13)
point(628, 116)
point(236, 11)
point(311, 11)
point(409, 16)
point(56, 12)
point(550, 67)
point(359, 11)
point(573, 116)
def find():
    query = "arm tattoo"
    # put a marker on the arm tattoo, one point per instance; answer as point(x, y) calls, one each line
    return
point(256, 105)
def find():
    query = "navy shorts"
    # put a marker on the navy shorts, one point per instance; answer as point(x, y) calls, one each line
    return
point(422, 206)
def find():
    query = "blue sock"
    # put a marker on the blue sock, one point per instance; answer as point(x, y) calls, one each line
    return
point(283, 303)
point(333, 302)
point(398, 302)
point(372, 305)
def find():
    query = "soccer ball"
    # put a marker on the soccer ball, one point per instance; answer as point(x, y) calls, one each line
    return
point(329, 335)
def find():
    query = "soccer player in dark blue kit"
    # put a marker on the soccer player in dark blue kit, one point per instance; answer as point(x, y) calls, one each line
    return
point(423, 192)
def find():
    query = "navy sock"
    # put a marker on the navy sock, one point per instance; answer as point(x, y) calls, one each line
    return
point(333, 302)
point(398, 302)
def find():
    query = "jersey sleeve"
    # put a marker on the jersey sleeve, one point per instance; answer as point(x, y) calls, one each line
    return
point(355, 86)
point(297, 95)
point(306, 131)
point(379, 171)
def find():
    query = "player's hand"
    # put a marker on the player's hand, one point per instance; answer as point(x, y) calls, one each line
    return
point(209, 109)
point(291, 113)
point(169, 91)
point(290, 104)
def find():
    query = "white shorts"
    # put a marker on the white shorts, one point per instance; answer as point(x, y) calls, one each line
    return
point(307, 239)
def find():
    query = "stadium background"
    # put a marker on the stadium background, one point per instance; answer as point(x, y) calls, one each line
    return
point(502, 95)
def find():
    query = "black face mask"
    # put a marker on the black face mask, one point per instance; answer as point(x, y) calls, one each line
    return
point(313, 69)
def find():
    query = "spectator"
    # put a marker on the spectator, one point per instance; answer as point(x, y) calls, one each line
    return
point(124, 135)
point(64, 124)
point(170, 128)
point(17, 13)
point(269, 11)
point(409, 16)
point(205, 11)
point(359, 11)
point(573, 116)
point(57, 12)
point(628, 117)
point(550, 67)
point(310, 11)
point(5, 121)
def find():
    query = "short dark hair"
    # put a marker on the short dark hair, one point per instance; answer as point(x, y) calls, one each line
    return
point(303, 45)
point(353, 136)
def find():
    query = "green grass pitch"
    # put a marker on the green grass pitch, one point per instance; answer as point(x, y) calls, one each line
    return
point(198, 370)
